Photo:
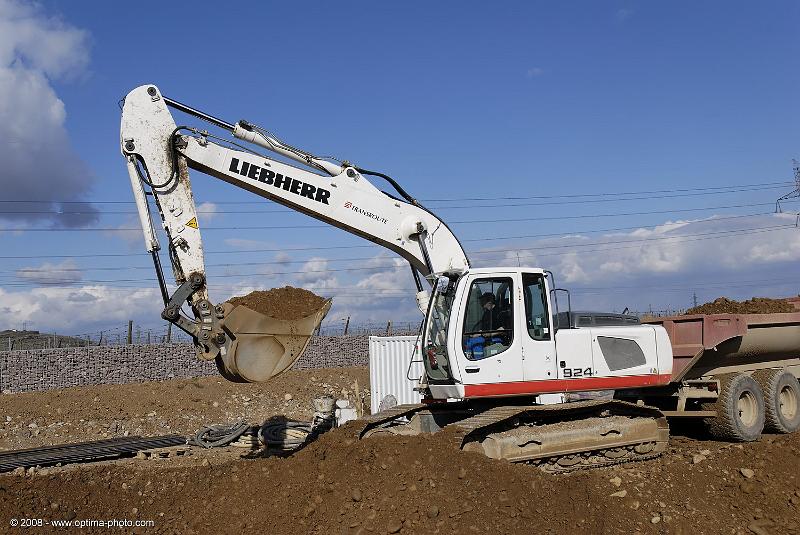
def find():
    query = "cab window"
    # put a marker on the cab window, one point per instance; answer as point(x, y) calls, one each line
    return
point(489, 318)
point(537, 319)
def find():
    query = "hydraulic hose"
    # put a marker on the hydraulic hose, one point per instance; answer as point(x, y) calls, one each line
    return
point(391, 181)
point(285, 435)
point(214, 436)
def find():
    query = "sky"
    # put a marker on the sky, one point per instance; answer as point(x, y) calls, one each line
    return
point(636, 149)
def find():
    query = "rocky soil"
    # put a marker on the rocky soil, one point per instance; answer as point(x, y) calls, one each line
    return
point(179, 406)
point(391, 484)
point(286, 303)
point(756, 305)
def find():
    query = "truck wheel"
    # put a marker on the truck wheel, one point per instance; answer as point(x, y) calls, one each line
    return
point(782, 400)
point(740, 410)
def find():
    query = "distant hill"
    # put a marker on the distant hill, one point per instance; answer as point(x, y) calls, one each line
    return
point(17, 340)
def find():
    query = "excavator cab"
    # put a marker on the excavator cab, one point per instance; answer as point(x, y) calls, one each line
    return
point(437, 364)
point(490, 333)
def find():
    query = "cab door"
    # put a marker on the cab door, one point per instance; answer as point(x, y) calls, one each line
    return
point(488, 344)
point(536, 334)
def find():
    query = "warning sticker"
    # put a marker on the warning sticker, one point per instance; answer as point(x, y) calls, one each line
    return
point(192, 222)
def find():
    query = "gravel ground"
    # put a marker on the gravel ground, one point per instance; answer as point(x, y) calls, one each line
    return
point(380, 485)
point(167, 407)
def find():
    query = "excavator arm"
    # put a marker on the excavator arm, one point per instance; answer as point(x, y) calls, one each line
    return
point(158, 154)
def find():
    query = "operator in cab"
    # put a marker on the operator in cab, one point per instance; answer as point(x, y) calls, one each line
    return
point(489, 334)
point(490, 320)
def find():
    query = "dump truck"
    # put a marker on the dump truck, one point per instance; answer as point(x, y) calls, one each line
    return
point(737, 371)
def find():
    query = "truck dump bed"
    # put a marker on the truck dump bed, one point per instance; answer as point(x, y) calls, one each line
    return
point(710, 344)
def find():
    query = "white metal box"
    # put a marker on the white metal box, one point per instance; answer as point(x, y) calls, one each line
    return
point(389, 358)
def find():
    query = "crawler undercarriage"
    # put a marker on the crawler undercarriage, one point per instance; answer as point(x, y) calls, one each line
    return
point(557, 438)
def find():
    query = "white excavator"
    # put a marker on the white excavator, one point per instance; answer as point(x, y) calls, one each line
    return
point(500, 358)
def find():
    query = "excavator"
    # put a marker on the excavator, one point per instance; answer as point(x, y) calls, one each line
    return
point(500, 357)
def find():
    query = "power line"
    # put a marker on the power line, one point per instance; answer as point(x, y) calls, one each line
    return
point(676, 239)
point(465, 222)
point(355, 291)
point(360, 259)
point(618, 193)
point(604, 249)
point(456, 199)
point(720, 233)
point(619, 229)
point(363, 246)
point(704, 285)
point(606, 199)
point(117, 255)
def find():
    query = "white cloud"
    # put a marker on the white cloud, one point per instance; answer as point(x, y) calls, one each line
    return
point(315, 273)
point(219, 294)
point(45, 43)
point(664, 265)
point(207, 211)
point(283, 259)
point(671, 248)
point(623, 14)
point(65, 273)
point(36, 49)
point(79, 309)
point(611, 271)
point(131, 232)
point(383, 294)
point(394, 274)
point(533, 72)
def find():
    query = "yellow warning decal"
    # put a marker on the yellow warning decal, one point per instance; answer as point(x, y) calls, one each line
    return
point(192, 223)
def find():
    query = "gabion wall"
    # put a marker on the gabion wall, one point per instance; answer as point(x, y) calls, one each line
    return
point(45, 369)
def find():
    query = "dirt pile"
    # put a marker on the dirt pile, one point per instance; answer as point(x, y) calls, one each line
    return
point(381, 485)
point(158, 408)
point(286, 303)
point(756, 305)
point(424, 485)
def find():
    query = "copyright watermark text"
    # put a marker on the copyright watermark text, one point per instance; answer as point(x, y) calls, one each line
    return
point(81, 523)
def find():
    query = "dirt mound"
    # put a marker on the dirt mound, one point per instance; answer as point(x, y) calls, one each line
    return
point(287, 303)
point(165, 407)
point(756, 305)
point(424, 485)
point(392, 484)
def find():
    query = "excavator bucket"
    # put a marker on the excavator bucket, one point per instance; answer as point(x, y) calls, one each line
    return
point(263, 347)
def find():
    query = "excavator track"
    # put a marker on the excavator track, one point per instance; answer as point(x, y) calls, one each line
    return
point(373, 421)
point(557, 438)
point(566, 437)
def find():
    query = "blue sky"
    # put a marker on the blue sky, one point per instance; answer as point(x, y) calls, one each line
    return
point(453, 99)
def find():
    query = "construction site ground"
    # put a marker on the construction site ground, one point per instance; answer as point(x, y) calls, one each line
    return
point(381, 485)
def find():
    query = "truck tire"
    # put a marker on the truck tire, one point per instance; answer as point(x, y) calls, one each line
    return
point(781, 400)
point(740, 409)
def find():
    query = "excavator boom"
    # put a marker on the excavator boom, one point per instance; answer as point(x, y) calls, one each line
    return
point(246, 345)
